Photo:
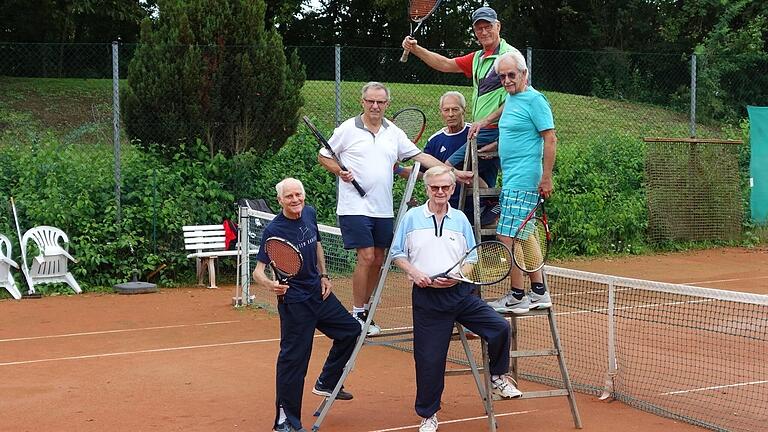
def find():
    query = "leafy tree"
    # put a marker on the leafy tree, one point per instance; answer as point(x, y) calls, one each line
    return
point(72, 20)
point(734, 66)
point(209, 71)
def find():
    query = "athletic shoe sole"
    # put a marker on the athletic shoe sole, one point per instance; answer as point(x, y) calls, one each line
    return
point(325, 393)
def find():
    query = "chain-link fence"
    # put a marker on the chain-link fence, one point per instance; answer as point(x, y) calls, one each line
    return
point(70, 91)
point(648, 80)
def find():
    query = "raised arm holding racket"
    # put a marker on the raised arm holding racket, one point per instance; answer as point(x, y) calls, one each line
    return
point(291, 246)
point(418, 12)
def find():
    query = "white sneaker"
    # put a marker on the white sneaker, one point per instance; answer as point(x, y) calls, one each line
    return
point(361, 317)
point(540, 301)
point(509, 303)
point(503, 388)
point(428, 424)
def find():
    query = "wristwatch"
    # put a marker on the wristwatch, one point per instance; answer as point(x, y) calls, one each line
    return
point(325, 275)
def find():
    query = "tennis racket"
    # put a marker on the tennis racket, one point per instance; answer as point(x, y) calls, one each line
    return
point(284, 258)
point(412, 121)
point(418, 12)
point(531, 242)
point(487, 263)
point(321, 139)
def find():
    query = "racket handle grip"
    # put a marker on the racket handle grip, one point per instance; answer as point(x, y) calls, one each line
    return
point(359, 188)
point(404, 57)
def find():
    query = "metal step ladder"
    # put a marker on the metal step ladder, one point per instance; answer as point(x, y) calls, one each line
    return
point(327, 402)
point(476, 192)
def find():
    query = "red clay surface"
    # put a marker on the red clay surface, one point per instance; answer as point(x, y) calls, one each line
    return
point(184, 359)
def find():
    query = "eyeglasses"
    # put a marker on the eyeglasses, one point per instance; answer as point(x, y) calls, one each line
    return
point(487, 28)
point(503, 77)
point(437, 188)
point(372, 102)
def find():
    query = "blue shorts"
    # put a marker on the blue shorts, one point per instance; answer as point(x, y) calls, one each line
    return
point(364, 231)
point(515, 207)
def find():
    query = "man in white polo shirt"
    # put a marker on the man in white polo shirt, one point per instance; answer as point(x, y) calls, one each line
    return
point(369, 145)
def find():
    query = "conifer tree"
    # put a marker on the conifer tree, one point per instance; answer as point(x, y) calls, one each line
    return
point(209, 71)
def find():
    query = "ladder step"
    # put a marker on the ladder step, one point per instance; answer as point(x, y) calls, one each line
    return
point(464, 371)
point(532, 312)
point(470, 336)
point(532, 353)
point(488, 231)
point(485, 192)
point(544, 393)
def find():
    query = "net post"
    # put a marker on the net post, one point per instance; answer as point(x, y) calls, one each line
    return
point(608, 388)
point(337, 81)
point(693, 96)
point(242, 295)
point(116, 126)
point(528, 59)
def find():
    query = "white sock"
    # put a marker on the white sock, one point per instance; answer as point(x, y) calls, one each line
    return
point(356, 310)
point(367, 306)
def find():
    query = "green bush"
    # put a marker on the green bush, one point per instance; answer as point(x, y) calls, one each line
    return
point(599, 205)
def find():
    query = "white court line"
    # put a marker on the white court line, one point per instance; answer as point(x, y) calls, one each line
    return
point(712, 388)
point(157, 350)
point(725, 280)
point(116, 331)
point(455, 421)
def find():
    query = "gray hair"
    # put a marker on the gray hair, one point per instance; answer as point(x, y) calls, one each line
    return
point(457, 95)
point(439, 170)
point(375, 85)
point(284, 182)
point(513, 55)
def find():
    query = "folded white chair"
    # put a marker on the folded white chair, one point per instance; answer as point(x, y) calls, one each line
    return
point(50, 265)
point(6, 278)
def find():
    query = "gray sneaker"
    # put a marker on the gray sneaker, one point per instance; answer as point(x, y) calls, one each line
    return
point(540, 301)
point(286, 427)
point(509, 303)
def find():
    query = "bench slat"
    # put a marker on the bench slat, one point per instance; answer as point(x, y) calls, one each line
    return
point(201, 246)
point(202, 227)
point(219, 253)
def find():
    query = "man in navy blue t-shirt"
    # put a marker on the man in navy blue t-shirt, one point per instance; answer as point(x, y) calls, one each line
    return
point(306, 304)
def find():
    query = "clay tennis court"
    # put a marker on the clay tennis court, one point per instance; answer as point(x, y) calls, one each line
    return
point(184, 359)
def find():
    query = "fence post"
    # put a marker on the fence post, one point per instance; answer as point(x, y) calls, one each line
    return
point(337, 67)
point(693, 96)
point(528, 59)
point(116, 126)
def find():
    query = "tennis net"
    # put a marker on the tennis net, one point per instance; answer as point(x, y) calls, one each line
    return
point(693, 354)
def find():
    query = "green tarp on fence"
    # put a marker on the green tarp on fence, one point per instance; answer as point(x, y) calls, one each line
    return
point(758, 166)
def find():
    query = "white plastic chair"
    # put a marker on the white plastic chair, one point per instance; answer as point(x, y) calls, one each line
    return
point(6, 278)
point(50, 266)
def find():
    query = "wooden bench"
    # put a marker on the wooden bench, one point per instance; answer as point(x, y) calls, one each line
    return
point(208, 243)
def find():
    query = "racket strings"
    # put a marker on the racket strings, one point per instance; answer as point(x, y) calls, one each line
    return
point(284, 257)
point(491, 263)
point(531, 245)
point(411, 122)
point(419, 9)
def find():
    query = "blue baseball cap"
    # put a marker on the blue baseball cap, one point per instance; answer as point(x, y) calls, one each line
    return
point(486, 14)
